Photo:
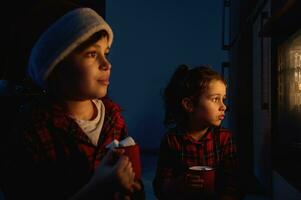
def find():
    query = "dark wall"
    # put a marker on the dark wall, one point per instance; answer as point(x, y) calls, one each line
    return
point(23, 22)
point(240, 87)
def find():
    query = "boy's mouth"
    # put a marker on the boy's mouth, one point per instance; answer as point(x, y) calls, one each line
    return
point(104, 81)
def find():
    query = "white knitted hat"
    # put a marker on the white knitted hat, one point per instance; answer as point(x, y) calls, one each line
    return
point(61, 38)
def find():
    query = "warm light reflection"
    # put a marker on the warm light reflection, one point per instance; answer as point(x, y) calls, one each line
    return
point(289, 74)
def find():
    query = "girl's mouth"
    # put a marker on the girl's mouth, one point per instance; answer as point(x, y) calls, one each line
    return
point(221, 117)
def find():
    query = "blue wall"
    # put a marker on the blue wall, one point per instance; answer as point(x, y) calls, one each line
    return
point(151, 39)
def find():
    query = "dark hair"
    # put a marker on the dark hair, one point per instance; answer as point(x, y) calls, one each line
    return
point(91, 40)
point(53, 89)
point(26, 26)
point(184, 83)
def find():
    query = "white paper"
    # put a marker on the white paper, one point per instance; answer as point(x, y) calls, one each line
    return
point(128, 141)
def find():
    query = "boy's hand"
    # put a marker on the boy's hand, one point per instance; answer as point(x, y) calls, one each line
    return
point(137, 186)
point(116, 170)
point(127, 196)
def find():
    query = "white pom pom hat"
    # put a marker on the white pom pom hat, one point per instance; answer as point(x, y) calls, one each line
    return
point(61, 38)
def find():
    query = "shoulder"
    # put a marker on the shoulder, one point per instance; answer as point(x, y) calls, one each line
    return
point(31, 122)
point(225, 135)
point(173, 133)
point(112, 110)
point(33, 112)
point(42, 110)
point(110, 105)
point(173, 137)
point(113, 116)
point(38, 117)
point(224, 132)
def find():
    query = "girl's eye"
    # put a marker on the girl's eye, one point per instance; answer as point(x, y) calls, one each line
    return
point(215, 99)
point(107, 55)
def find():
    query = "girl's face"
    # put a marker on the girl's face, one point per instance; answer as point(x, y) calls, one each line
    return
point(87, 72)
point(210, 108)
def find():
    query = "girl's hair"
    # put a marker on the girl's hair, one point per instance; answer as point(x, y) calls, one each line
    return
point(186, 82)
point(53, 85)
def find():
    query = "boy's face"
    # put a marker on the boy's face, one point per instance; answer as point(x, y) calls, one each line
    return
point(210, 108)
point(87, 71)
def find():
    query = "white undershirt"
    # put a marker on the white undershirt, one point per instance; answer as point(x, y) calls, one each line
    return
point(92, 128)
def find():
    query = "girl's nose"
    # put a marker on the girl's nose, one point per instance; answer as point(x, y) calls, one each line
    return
point(223, 106)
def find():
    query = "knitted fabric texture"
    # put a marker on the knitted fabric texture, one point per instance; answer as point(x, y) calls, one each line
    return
point(61, 38)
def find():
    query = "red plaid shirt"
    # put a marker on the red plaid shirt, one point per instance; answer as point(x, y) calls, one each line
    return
point(180, 151)
point(54, 157)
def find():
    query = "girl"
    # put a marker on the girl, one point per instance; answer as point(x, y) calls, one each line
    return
point(194, 105)
point(60, 151)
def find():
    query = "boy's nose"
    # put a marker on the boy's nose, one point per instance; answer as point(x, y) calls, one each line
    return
point(105, 65)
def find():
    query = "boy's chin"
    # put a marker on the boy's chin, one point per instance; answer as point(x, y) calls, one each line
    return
point(102, 93)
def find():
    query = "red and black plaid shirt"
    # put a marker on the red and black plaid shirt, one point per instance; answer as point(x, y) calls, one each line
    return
point(180, 151)
point(53, 157)
point(55, 135)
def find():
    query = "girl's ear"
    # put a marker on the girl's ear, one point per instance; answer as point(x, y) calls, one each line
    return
point(187, 104)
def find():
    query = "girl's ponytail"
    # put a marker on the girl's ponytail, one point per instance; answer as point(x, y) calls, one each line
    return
point(173, 93)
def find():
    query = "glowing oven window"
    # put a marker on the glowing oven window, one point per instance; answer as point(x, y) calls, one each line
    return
point(289, 69)
point(289, 88)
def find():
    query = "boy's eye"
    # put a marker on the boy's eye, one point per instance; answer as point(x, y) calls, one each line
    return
point(92, 54)
point(107, 55)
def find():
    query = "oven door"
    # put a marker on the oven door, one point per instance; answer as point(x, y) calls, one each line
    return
point(287, 133)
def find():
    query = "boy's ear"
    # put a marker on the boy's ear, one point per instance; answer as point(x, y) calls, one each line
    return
point(187, 104)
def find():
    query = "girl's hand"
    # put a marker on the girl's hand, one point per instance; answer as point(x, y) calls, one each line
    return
point(194, 182)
